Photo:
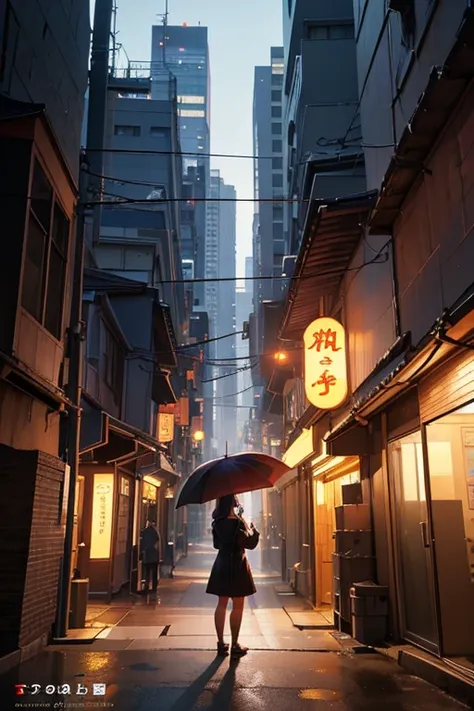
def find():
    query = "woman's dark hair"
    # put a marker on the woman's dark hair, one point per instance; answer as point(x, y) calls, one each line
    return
point(224, 506)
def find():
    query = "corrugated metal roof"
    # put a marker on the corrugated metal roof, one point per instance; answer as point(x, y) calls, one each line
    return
point(443, 91)
point(332, 232)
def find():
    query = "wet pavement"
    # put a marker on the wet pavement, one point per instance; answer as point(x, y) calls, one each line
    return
point(160, 657)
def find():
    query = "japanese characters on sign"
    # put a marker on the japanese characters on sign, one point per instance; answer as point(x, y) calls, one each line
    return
point(102, 510)
point(165, 427)
point(325, 366)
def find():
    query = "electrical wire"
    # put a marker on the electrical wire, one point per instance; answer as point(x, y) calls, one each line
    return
point(209, 340)
point(227, 375)
point(199, 154)
point(329, 141)
point(239, 392)
point(162, 201)
point(329, 272)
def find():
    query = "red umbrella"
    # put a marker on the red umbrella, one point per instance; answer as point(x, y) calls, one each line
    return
point(233, 474)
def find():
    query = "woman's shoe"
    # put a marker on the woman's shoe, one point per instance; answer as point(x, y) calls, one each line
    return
point(238, 651)
point(222, 649)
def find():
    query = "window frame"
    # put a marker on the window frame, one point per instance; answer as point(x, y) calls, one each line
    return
point(32, 216)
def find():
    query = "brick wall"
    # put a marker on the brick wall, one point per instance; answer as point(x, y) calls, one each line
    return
point(31, 544)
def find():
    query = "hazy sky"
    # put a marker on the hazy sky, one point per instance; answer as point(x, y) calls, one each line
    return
point(241, 33)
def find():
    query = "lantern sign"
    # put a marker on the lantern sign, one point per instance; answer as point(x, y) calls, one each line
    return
point(165, 427)
point(325, 366)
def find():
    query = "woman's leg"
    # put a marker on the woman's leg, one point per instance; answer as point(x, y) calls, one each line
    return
point(236, 618)
point(219, 617)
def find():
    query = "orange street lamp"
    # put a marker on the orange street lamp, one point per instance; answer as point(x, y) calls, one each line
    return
point(280, 357)
point(198, 436)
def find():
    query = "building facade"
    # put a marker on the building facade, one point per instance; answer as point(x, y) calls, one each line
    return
point(43, 78)
point(184, 51)
point(268, 238)
point(387, 467)
point(321, 123)
point(220, 304)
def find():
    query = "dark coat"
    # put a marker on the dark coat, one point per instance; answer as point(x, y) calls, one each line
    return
point(150, 545)
point(231, 575)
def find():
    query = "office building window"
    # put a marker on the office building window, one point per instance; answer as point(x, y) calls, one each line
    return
point(277, 180)
point(331, 32)
point(277, 213)
point(276, 129)
point(277, 163)
point(276, 111)
point(157, 132)
point(127, 131)
point(278, 231)
point(277, 79)
point(183, 99)
point(276, 95)
point(277, 146)
point(191, 113)
point(47, 245)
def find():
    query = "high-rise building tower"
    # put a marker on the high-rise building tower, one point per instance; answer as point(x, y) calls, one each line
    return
point(268, 234)
point(184, 52)
point(220, 304)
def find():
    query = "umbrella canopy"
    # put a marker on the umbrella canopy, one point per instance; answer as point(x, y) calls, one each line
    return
point(233, 474)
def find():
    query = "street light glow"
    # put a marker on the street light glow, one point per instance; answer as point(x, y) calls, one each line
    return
point(198, 436)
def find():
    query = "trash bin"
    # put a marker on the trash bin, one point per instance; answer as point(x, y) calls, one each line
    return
point(369, 611)
point(78, 607)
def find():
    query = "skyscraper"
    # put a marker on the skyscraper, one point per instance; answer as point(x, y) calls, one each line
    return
point(220, 303)
point(184, 51)
point(268, 234)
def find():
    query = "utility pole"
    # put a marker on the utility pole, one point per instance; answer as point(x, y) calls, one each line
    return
point(90, 163)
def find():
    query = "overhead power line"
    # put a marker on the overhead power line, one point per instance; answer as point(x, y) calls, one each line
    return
point(209, 340)
point(279, 277)
point(228, 375)
point(162, 201)
point(239, 392)
point(342, 141)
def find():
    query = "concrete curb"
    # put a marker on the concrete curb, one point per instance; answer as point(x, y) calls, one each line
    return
point(432, 670)
point(439, 675)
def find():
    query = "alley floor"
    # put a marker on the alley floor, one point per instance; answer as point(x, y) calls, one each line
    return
point(159, 655)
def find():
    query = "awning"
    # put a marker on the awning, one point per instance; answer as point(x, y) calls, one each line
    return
point(435, 106)
point(350, 436)
point(162, 390)
point(105, 438)
point(332, 231)
point(158, 466)
point(23, 378)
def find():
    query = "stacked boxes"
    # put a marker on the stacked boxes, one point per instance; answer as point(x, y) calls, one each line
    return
point(354, 560)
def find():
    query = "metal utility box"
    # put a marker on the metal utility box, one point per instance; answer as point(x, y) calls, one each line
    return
point(354, 544)
point(79, 598)
point(352, 494)
point(353, 517)
point(369, 612)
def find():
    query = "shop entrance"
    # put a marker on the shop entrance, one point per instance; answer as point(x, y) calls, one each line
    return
point(413, 544)
point(450, 454)
point(149, 507)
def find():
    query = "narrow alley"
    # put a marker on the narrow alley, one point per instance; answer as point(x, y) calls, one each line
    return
point(160, 655)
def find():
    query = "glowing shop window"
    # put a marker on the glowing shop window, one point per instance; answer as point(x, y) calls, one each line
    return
point(102, 512)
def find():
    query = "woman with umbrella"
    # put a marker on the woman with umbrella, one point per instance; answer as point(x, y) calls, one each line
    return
point(231, 576)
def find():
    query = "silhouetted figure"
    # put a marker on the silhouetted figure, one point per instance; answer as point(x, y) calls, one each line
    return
point(150, 554)
point(231, 576)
